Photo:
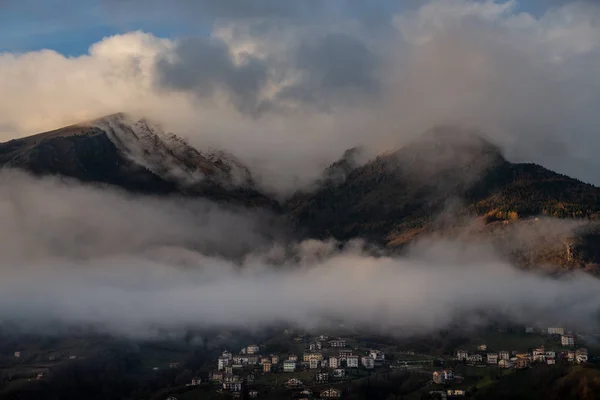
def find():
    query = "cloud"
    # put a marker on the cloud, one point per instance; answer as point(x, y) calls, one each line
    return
point(289, 98)
point(69, 258)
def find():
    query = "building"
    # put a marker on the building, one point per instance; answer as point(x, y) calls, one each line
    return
point(521, 363)
point(482, 347)
point(443, 377)
point(462, 354)
point(229, 369)
point(222, 362)
point(292, 357)
point(556, 331)
point(492, 358)
point(345, 354)
point(570, 355)
point(368, 362)
point(567, 340)
point(475, 358)
point(331, 394)
point(316, 345)
point(267, 367)
point(339, 373)
point(196, 381)
point(539, 354)
point(550, 360)
point(581, 356)
point(232, 386)
point(216, 377)
point(252, 349)
point(227, 354)
point(306, 394)
point(312, 356)
point(377, 355)
point(274, 359)
point(322, 377)
point(289, 366)
point(504, 355)
point(313, 363)
point(253, 394)
point(334, 362)
point(265, 360)
point(456, 392)
point(529, 329)
point(337, 343)
point(293, 383)
point(322, 338)
point(352, 362)
point(505, 363)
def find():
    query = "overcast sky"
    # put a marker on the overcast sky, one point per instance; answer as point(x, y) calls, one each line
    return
point(288, 86)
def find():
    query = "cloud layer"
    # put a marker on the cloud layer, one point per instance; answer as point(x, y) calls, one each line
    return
point(287, 88)
point(81, 256)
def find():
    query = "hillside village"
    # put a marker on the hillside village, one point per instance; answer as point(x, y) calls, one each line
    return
point(326, 366)
point(296, 364)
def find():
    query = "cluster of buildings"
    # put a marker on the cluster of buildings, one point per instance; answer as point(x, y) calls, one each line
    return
point(514, 359)
point(329, 358)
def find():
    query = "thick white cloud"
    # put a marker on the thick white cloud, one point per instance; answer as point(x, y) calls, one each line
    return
point(290, 98)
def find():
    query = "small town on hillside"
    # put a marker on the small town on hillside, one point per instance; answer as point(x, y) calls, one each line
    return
point(325, 365)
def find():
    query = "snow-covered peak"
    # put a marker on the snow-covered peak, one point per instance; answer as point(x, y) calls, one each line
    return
point(170, 156)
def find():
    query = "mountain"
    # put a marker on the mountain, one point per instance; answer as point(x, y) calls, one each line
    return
point(449, 182)
point(135, 155)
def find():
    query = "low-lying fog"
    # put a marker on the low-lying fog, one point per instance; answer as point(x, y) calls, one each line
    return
point(85, 256)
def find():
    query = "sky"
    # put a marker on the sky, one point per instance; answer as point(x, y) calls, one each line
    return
point(70, 27)
point(287, 87)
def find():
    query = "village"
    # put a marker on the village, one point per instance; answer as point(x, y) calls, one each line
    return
point(325, 366)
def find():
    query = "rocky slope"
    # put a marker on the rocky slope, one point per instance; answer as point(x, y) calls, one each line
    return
point(135, 155)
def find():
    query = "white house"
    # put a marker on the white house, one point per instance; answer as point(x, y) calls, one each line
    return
point(567, 340)
point(550, 361)
point(539, 354)
point(504, 355)
point(344, 354)
point(556, 331)
point(334, 362)
point(316, 345)
point(462, 354)
point(475, 358)
point(232, 386)
point(322, 377)
point(252, 349)
point(352, 362)
point(289, 366)
point(337, 343)
point(492, 358)
point(368, 362)
point(222, 362)
point(505, 363)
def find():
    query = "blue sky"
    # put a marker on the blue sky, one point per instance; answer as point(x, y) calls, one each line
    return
point(71, 26)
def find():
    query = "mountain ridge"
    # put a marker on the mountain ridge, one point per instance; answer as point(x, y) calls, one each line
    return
point(392, 200)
